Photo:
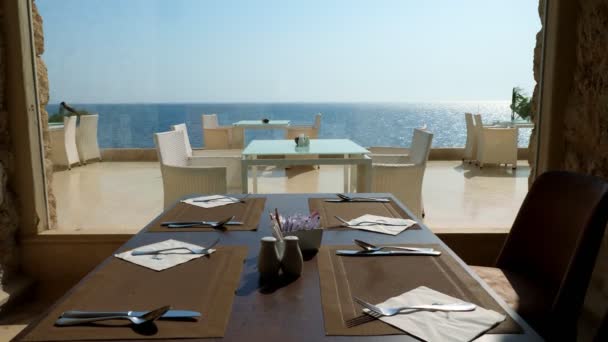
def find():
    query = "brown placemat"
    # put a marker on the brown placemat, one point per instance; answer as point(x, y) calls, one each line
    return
point(376, 279)
point(206, 284)
point(249, 213)
point(352, 210)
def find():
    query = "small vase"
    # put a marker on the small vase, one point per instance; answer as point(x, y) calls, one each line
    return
point(269, 263)
point(292, 258)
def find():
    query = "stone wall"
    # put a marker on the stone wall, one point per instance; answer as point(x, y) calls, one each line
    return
point(8, 212)
point(535, 93)
point(586, 130)
point(43, 98)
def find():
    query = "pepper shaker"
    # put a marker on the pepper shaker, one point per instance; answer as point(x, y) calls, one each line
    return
point(292, 258)
point(269, 263)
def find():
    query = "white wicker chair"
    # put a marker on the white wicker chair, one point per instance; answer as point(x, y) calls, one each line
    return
point(470, 148)
point(179, 179)
point(216, 137)
point(182, 127)
point(63, 144)
point(230, 159)
point(86, 138)
point(495, 145)
point(401, 174)
point(309, 131)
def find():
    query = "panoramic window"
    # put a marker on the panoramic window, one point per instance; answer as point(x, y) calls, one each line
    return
point(375, 71)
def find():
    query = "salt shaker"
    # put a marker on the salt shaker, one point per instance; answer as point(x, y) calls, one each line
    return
point(292, 257)
point(269, 263)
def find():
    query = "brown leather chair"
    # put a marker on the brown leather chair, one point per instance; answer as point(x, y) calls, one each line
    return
point(544, 267)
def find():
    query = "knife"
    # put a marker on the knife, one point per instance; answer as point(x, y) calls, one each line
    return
point(92, 314)
point(201, 223)
point(380, 200)
point(349, 252)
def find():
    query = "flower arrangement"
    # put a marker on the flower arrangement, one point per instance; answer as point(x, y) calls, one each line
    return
point(305, 227)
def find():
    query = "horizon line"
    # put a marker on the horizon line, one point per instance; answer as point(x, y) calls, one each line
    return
point(281, 102)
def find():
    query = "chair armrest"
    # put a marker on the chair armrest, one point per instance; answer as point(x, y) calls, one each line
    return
point(391, 159)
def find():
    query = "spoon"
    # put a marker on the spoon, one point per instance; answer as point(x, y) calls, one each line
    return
point(137, 320)
point(368, 247)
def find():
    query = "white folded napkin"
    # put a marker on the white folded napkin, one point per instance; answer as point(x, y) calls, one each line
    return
point(163, 260)
point(211, 201)
point(403, 224)
point(439, 326)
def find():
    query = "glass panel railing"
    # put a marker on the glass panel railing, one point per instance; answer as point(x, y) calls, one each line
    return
point(369, 124)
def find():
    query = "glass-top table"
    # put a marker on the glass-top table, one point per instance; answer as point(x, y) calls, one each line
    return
point(335, 151)
point(317, 146)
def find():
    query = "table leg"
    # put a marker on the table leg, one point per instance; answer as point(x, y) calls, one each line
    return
point(244, 178)
point(254, 175)
point(346, 174)
point(354, 175)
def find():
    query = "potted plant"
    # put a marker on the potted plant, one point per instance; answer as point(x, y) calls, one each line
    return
point(521, 104)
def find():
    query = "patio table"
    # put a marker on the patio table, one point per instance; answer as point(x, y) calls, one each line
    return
point(292, 311)
point(335, 152)
point(238, 133)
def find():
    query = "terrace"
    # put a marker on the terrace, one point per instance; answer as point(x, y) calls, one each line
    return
point(458, 198)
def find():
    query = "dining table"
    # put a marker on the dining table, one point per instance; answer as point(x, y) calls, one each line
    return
point(288, 310)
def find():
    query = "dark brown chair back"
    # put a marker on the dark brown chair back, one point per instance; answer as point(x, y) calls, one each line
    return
point(555, 240)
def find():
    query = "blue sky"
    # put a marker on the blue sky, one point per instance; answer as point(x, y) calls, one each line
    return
point(135, 51)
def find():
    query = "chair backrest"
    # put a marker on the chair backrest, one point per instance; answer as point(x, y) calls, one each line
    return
point(468, 118)
point(88, 125)
point(470, 147)
point(210, 121)
point(478, 122)
point(317, 124)
point(69, 131)
point(171, 148)
point(86, 137)
point(556, 237)
point(421, 146)
point(182, 127)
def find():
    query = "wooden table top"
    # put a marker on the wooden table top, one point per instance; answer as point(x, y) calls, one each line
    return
point(298, 315)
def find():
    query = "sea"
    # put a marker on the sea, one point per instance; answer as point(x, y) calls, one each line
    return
point(368, 124)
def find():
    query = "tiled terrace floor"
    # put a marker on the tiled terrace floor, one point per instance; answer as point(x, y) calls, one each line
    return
point(121, 197)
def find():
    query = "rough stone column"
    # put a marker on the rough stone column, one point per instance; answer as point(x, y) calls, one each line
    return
point(43, 97)
point(8, 212)
point(535, 99)
point(586, 135)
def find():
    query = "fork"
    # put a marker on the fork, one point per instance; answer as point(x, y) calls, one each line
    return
point(240, 200)
point(193, 250)
point(218, 224)
point(380, 312)
point(355, 199)
point(365, 223)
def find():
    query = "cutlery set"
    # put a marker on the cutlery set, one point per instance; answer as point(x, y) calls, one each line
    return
point(345, 198)
point(74, 317)
point(371, 250)
point(136, 317)
point(374, 312)
point(192, 224)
